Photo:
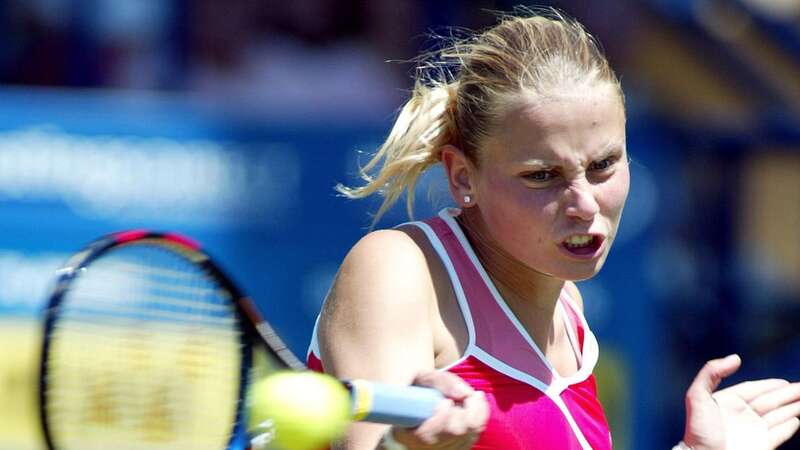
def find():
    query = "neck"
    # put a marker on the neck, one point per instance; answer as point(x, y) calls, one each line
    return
point(527, 291)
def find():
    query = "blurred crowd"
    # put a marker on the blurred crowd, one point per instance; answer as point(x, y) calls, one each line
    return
point(322, 55)
point(300, 54)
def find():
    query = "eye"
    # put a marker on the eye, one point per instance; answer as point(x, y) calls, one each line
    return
point(540, 176)
point(603, 164)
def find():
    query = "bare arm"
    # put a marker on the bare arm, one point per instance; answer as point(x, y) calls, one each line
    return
point(377, 323)
point(376, 320)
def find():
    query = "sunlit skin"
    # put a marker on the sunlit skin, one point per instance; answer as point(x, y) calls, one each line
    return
point(557, 168)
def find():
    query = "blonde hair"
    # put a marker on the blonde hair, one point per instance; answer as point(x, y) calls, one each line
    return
point(461, 90)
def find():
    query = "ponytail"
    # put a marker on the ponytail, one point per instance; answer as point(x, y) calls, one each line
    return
point(425, 124)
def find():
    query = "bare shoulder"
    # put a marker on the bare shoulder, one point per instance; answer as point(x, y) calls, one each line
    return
point(382, 261)
point(388, 245)
point(575, 294)
point(377, 315)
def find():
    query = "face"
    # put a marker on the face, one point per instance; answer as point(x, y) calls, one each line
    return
point(552, 182)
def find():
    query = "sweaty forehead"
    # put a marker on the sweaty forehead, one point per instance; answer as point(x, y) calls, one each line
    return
point(573, 125)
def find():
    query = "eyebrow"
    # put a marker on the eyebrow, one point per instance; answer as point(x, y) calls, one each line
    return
point(605, 152)
point(612, 147)
point(537, 162)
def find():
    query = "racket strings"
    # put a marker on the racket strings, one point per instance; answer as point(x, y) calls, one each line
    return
point(145, 340)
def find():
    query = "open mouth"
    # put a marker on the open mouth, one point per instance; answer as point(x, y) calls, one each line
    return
point(582, 244)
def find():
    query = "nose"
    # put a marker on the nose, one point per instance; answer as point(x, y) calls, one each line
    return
point(581, 202)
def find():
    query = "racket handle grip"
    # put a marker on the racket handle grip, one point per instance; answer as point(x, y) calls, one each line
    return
point(403, 406)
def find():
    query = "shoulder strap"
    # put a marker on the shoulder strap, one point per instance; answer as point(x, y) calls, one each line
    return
point(573, 320)
point(437, 234)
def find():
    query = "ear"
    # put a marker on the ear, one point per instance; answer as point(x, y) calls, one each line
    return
point(460, 175)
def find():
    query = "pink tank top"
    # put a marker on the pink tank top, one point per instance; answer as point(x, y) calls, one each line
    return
point(532, 407)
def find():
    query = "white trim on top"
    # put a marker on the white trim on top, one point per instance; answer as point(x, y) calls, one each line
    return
point(591, 349)
point(572, 424)
point(573, 339)
point(313, 346)
point(513, 372)
point(455, 281)
point(553, 392)
point(560, 383)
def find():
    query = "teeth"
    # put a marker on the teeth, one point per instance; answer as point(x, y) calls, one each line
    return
point(578, 241)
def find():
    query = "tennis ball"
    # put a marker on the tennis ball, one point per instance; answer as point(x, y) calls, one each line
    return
point(299, 410)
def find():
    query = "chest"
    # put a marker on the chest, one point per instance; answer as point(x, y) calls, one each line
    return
point(523, 417)
point(561, 347)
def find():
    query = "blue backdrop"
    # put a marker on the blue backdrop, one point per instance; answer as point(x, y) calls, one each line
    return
point(258, 192)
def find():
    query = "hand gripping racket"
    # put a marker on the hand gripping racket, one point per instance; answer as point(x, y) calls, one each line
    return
point(149, 345)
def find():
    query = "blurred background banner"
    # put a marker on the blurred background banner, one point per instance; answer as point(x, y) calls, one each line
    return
point(232, 121)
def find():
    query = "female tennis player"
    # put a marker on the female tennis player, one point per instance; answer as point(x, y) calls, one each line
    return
point(528, 121)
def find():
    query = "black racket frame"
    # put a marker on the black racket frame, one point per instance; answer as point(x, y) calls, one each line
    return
point(257, 331)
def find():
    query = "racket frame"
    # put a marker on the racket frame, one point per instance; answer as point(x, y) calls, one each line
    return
point(256, 329)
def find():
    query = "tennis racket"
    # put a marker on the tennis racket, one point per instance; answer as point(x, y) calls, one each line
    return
point(149, 345)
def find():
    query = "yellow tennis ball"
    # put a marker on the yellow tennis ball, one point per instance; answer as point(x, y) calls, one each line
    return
point(299, 410)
